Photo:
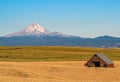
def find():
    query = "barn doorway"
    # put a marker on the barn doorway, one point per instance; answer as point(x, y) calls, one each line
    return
point(97, 64)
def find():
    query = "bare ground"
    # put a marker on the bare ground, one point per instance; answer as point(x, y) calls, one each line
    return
point(64, 71)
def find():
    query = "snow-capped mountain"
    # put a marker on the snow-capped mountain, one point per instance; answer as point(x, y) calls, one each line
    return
point(36, 35)
point(35, 30)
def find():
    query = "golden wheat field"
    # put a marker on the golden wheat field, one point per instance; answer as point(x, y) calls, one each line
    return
point(60, 71)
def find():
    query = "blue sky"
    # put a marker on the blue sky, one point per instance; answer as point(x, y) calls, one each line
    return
point(85, 18)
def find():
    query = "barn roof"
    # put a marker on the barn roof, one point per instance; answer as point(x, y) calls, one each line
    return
point(104, 58)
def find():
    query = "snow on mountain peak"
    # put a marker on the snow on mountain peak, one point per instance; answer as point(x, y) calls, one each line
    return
point(31, 30)
point(35, 30)
point(35, 27)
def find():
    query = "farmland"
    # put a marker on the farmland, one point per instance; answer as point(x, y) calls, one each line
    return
point(54, 53)
point(62, 71)
point(55, 64)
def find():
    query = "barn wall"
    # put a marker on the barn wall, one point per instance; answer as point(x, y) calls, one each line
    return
point(95, 59)
point(110, 65)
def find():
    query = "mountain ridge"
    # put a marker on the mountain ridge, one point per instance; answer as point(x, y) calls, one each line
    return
point(35, 30)
point(36, 35)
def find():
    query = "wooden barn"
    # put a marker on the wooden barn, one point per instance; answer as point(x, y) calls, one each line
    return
point(99, 60)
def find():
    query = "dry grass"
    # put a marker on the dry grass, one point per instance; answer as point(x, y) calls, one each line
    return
point(62, 71)
point(54, 53)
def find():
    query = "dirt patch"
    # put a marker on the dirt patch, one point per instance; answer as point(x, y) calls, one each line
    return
point(13, 73)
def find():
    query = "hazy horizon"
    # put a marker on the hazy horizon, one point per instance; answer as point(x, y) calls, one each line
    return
point(84, 18)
